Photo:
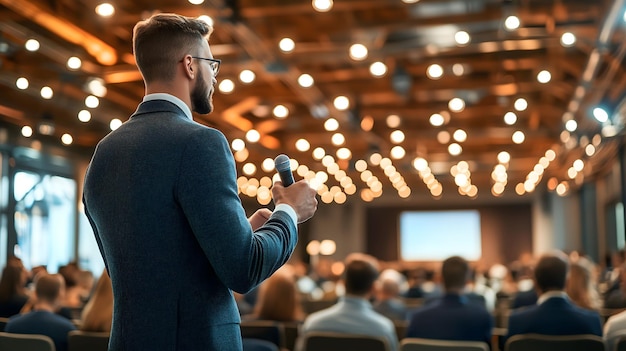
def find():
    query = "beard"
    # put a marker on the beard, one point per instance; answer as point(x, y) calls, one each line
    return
point(201, 98)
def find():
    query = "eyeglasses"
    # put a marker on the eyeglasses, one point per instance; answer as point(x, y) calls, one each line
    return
point(215, 64)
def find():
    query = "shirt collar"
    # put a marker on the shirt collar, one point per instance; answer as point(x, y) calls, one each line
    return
point(550, 294)
point(171, 98)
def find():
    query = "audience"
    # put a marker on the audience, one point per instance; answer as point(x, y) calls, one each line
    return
point(452, 316)
point(526, 294)
point(614, 328)
point(616, 298)
point(580, 286)
point(554, 313)
point(42, 319)
point(13, 294)
point(388, 301)
point(353, 314)
point(97, 314)
point(279, 298)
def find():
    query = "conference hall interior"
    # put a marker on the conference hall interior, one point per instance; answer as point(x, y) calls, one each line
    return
point(492, 130)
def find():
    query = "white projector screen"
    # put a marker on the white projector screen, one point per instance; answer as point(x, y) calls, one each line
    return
point(437, 235)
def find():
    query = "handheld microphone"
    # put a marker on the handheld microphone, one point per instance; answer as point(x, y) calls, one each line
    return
point(282, 165)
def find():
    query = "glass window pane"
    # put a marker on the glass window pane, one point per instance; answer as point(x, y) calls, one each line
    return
point(44, 219)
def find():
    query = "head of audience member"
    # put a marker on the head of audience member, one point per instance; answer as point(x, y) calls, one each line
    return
point(579, 286)
point(69, 272)
point(48, 291)
point(97, 314)
point(361, 272)
point(391, 284)
point(551, 272)
point(455, 273)
point(12, 282)
point(279, 298)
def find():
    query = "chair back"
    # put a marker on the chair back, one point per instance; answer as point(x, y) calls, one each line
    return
point(620, 344)
point(25, 342)
point(420, 344)
point(78, 340)
point(250, 344)
point(271, 331)
point(538, 342)
point(329, 341)
point(401, 328)
point(3, 323)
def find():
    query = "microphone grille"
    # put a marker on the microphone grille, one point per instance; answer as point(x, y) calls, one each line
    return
point(281, 162)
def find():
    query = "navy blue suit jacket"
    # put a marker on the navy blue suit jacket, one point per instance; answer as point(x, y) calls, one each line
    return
point(161, 195)
point(555, 316)
point(452, 317)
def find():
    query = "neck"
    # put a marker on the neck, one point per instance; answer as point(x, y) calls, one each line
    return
point(44, 306)
point(171, 88)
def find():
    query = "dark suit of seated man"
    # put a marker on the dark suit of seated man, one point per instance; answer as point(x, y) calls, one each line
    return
point(554, 313)
point(453, 316)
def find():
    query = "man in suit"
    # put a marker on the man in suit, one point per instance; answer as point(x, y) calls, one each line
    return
point(353, 314)
point(43, 319)
point(554, 313)
point(161, 195)
point(453, 316)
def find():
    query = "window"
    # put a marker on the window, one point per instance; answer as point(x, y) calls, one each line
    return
point(44, 219)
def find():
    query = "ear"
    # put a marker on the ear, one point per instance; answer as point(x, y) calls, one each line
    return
point(188, 67)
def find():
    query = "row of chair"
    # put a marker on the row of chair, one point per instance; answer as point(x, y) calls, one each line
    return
point(328, 341)
point(76, 341)
point(523, 342)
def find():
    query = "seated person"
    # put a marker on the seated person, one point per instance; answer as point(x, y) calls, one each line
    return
point(98, 312)
point(353, 314)
point(278, 299)
point(453, 316)
point(13, 294)
point(388, 301)
point(554, 313)
point(42, 319)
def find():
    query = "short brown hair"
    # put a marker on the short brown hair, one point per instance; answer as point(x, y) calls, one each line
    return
point(48, 287)
point(162, 40)
point(455, 272)
point(361, 273)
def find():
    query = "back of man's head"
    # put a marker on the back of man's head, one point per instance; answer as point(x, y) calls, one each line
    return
point(48, 288)
point(361, 273)
point(551, 272)
point(455, 272)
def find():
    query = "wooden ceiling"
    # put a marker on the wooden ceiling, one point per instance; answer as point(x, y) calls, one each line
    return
point(498, 67)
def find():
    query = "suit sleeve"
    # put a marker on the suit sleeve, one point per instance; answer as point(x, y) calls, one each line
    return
point(207, 194)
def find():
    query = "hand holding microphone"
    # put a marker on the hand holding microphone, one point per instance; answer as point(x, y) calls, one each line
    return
point(299, 195)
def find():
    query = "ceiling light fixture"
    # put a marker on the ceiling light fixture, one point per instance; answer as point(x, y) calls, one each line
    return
point(544, 76)
point(322, 5)
point(511, 23)
point(568, 39)
point(105, 9)
point(32, 45)
point(21, 83)
point(305, 80)
point(286, 45)
point(341, 103)
point(378, 69)
point(510, 118)
point(226, 86)
point(434, 71)
point(358, 52)
point(462, 37)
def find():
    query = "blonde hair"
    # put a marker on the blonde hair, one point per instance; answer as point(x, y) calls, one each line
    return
point(579, 286)
point(98, 312)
